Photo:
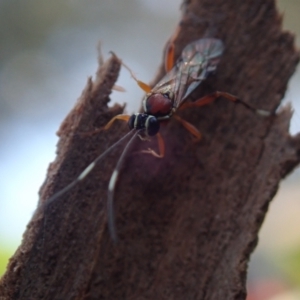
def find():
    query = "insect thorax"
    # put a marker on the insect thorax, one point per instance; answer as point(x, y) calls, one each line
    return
point(144, 121)
point(158, 104)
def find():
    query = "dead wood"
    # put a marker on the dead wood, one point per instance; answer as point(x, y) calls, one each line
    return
point(187, 223)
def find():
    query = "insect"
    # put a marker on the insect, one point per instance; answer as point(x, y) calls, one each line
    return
point(197, 61)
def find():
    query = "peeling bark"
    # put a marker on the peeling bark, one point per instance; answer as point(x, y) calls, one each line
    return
point(187, 223)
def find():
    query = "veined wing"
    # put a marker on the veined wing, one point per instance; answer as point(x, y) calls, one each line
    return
point(198, 59)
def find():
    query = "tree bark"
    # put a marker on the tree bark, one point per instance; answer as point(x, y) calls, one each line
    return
point(187, 223)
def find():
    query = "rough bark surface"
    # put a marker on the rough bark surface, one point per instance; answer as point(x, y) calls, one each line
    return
point(187, 223)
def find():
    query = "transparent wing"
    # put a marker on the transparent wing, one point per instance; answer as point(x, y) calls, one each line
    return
point(198, 59)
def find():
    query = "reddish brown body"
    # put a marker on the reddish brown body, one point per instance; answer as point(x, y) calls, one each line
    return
point(158, 105)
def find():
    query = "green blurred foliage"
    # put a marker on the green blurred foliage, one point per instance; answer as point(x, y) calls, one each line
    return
point(290, 264)
point(5, 253)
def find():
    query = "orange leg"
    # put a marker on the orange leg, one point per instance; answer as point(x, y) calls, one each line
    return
point(117, 117)
point(209, 99)
point(107, 126)
point(170, 52)
point(212, 97)
point(161, 148)
point(191, 128)
point(169, 59)
point(144, 86)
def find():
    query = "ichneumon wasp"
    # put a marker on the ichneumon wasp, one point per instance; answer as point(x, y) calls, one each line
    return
point(197, 61)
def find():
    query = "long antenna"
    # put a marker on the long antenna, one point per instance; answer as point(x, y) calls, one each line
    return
point(85, 172)
point(111, 190)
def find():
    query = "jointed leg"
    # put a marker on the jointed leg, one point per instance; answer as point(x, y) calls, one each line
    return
point(169, 59)
point(161, 148)
point(191, 128)
point(170, 52)
point(117, 117)
point(144, 86)
point(107, 126)
point(209, 99)
point(212, 97)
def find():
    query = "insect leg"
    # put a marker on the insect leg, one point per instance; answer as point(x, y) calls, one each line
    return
point(111, 189)
point(144, 86)
point(118, 117)
point(161, 148)
point(170, 52)
point(107, 126)
point(212, 97)
point(191, 128)
point(208, 99)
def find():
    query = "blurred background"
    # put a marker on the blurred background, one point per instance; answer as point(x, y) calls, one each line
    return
point(47, 52)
